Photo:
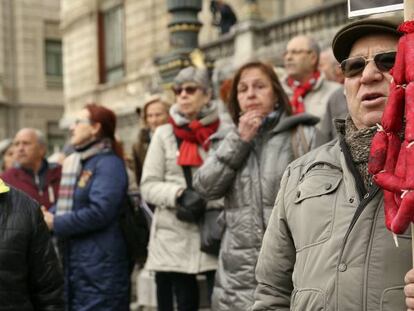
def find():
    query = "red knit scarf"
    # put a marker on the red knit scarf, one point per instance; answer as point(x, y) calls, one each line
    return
point(300, 91)
point(193, 135)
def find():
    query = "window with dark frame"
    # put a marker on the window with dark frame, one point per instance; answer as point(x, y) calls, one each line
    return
point(111, 44)
point(53, 57)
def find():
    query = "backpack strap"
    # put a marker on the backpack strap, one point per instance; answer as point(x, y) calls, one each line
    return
point(186, 169)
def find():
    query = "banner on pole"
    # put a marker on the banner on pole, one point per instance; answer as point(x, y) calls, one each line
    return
point(367, 7)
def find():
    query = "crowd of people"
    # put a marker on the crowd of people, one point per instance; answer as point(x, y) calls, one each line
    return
point(299, 219)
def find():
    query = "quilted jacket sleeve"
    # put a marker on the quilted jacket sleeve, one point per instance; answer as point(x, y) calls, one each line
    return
point(276, 260)
point(217, 174)
point(45, 275)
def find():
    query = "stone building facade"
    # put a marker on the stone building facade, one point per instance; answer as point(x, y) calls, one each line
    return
point(31, 77)
point(109, 50)
point(111, 47)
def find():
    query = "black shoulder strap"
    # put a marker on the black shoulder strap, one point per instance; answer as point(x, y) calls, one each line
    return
point(187, 169)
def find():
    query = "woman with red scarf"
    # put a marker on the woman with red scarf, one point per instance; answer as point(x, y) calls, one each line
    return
point(174, 248)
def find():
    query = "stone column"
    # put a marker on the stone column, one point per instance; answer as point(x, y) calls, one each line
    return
point(245, 43)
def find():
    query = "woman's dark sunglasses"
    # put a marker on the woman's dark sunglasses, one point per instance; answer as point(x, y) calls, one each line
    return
point(190, 90)
point(355, 65)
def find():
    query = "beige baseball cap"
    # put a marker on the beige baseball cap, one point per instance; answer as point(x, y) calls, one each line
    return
point(347, 35)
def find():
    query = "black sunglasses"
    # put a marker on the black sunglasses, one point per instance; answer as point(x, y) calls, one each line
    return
point(355, 65)
point(190, 90)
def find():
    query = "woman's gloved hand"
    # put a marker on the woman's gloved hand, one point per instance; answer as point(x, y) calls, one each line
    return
point(190, 206)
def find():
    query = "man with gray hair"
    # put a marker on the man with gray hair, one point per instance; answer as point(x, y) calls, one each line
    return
point(329, 66)
point(336, 106)
point(33, 174)
point(307, 88)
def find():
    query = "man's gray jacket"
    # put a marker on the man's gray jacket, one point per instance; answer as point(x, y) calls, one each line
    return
point(326, 246)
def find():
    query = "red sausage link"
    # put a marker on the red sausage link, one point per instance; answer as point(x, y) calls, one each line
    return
point(389, 182)
point(409, 111)
point(409, 57)
point(390, 208)
point(398, 72)
point(394, 110)
point(409, 176)
point(378, 152)
point(404, 215)
point(394, 145)
point(400, 166)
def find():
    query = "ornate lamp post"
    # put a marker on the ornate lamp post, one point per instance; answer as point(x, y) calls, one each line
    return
point(251, 10)
point(184, 28)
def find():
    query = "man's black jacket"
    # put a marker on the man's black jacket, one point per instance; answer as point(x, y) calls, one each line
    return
point(30, 275)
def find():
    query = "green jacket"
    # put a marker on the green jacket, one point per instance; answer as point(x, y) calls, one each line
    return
point(326, 246)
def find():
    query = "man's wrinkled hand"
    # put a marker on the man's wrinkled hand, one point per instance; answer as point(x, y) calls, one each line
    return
point(409, 290)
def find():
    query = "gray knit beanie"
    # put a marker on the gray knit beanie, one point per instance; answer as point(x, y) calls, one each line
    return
point(192, 74)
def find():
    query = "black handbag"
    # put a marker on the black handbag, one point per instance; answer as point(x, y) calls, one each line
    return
point(192, 208)
point(135, 222)
point(211, 229)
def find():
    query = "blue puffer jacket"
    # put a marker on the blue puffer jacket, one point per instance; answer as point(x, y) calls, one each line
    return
point(95, 256)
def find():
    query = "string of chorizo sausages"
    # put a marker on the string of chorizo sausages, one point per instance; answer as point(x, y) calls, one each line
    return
point(391, 161)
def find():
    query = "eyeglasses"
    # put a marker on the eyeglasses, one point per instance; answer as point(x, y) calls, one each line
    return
point(296, 52)
point(81, 121)
point(355, 65)
point(190, 90)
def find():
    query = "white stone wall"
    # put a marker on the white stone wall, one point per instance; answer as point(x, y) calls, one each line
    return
point(28, 100)
point(80, 59)
point(2, 48)
point(31, 17)
point(146, 36)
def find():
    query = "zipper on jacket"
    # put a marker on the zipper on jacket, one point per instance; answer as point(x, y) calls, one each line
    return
point(37, 182)
point(364, 194)
point(361, 207)
point(261, 209)
point(364, 200)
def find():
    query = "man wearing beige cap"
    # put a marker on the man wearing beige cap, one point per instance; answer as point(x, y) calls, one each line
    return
point(326, 246)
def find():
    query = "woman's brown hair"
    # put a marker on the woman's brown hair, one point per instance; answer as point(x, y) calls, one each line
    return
point(107, 118)
point(282, 99)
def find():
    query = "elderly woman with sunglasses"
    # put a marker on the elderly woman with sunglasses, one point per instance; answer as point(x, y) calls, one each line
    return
point(246, 169)
point(174, 248)
point(326, 246)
